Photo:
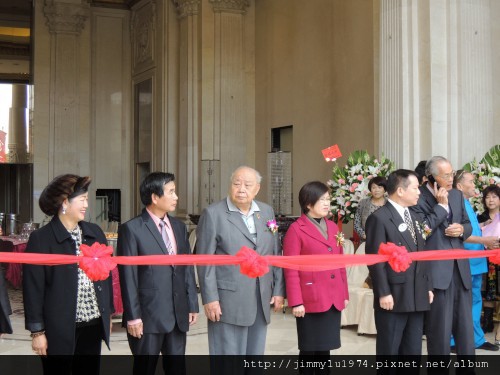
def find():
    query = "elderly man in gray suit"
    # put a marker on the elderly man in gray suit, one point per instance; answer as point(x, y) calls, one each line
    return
point(237, 306)
point(443, 209)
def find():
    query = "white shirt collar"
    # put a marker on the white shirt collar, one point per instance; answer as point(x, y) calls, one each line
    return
point(253, 208)
point(399, 208)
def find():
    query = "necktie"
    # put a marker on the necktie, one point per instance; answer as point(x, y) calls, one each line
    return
point(164, 235)
point(409, 224)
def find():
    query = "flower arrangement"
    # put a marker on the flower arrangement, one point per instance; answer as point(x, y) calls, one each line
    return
point(424, 229)
point(349, 184)
point(487, 172)
point(272, 226)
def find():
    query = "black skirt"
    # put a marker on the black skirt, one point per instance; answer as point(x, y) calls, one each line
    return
point(319, 331)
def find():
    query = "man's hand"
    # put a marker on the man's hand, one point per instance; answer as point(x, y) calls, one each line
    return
point(441, 194)
point(431, 296)
point(136, 330)
point(386, 302)
point(193, 318)
point(454, 230)
point(213, 311)
point(39, 345)
point(490, 242)
point(278, 302)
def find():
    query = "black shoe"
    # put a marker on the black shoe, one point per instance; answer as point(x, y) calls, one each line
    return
point(488, 346)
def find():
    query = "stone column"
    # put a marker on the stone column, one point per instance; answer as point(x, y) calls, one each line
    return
point(399, 122)
point(231, 127)
point(436, 92)
point(18, 125)
point(189, 105)
point(66, 20)
point(471, 81)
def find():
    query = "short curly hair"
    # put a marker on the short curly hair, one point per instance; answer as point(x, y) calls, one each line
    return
point(66, 186)
point(490, 189)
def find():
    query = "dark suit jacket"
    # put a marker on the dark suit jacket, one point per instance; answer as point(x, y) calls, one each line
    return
point(50, 292)
point(409, 289)
point(317, 291)
point(159, 295)
point(5, 310)
point(436, 217)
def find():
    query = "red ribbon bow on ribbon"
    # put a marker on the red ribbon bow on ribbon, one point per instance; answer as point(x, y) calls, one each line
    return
point(252, 264)
point(399, 259)
point(495, 258)
point(96, 261)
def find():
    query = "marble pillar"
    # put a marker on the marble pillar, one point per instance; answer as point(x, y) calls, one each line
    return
point(66, 20)
point(18, 148)
point(435, 92)
point(231, 126)
point(189, 105)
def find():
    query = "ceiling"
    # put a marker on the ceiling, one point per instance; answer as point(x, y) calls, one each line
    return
point(15, 41)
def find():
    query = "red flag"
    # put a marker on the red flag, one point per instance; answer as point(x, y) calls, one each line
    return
point(331, 153)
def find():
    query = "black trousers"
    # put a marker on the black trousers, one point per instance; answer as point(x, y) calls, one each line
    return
point(86, 359)
point(146, 350)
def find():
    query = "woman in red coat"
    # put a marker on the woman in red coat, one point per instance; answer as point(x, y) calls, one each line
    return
point(317, 298)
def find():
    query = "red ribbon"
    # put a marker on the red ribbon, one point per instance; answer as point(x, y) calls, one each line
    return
point(97, 262)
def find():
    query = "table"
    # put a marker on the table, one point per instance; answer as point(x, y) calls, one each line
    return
point(14, 270)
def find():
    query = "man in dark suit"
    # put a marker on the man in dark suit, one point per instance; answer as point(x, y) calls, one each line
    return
point(237, 306)
point(159, 302)
point(442, 208)
point(401, 298)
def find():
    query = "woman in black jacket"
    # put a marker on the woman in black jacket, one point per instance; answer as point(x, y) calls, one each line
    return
point(68, 314)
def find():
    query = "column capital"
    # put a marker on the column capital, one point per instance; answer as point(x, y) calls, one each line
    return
point(65, 17)
point(186, 8)
point(230, 6)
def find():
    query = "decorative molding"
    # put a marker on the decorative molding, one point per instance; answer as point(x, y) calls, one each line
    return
point(186, 8)
point(142, 29)
point(230, 6)
point(67, 18)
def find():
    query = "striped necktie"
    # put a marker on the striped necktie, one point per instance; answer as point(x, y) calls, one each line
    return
point(164, 235)
point(409, 224)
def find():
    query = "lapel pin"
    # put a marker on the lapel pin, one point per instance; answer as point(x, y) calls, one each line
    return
point(402, 227)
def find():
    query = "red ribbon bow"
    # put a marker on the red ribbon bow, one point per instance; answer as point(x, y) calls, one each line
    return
point(399, 259)
point(252, 264)
point(96, 261)
point(495, 258)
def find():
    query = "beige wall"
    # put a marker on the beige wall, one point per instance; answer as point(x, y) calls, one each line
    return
point(314, 70)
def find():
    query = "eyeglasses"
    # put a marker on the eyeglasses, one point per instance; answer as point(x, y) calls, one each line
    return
point(324, 200)
point(447, 176)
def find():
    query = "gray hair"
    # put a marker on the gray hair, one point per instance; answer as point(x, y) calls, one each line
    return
point(258, 176)
point(431, 167)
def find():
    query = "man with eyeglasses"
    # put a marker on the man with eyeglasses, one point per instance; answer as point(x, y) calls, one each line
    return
point(443, 210)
